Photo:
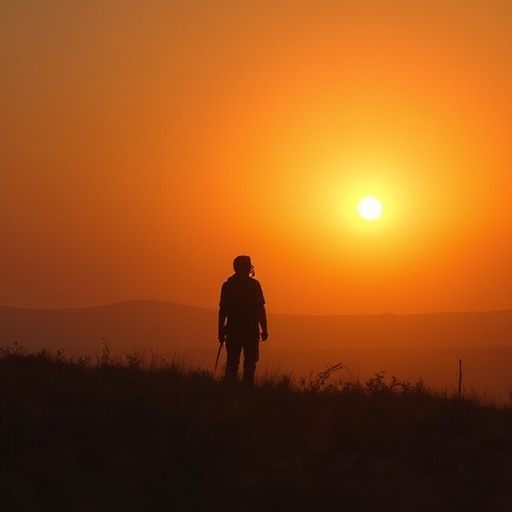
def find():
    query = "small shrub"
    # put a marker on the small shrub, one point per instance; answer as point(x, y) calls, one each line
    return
point(320, 381)
point(12, 351)
point(84, 361)
point(134, 360)
point(105, 360)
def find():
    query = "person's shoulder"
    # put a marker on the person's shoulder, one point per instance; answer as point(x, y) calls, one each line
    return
point(229, 282)
point(255, 283)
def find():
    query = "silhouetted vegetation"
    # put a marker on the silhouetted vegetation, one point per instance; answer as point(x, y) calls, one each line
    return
point(144, 434)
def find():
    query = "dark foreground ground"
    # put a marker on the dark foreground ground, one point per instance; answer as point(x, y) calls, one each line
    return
point(77, 436)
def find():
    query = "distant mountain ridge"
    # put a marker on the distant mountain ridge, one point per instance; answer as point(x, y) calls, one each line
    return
point(170, 326)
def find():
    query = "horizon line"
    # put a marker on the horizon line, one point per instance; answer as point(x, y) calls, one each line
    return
point(179, 304)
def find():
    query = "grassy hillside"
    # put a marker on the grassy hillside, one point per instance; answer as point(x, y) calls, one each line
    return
point(97, 435)
point(410, 346)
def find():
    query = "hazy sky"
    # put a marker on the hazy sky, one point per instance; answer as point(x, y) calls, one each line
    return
point(144, 144)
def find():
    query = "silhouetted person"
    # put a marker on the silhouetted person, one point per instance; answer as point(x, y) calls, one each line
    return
point(241, 315)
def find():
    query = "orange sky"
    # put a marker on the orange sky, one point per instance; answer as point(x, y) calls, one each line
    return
point(147, 143)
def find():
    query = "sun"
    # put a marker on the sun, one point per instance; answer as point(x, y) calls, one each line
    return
point(370, 208)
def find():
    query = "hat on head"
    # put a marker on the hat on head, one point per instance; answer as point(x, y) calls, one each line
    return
point(242, 265)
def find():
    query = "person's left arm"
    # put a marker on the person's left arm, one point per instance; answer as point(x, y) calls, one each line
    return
point(262, 316)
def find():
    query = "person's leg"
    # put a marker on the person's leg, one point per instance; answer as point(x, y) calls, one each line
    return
point(251, 356)
point(233, 350)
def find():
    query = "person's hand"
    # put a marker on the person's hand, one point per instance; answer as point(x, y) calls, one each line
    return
point(264, 336)
point(222, 335)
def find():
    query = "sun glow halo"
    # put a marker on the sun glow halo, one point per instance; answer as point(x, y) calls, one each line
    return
point(370, 208)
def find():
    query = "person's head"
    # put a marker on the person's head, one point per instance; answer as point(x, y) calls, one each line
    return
point(243, 266)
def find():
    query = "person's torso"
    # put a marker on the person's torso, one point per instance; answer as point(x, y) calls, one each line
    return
point(242, 300)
